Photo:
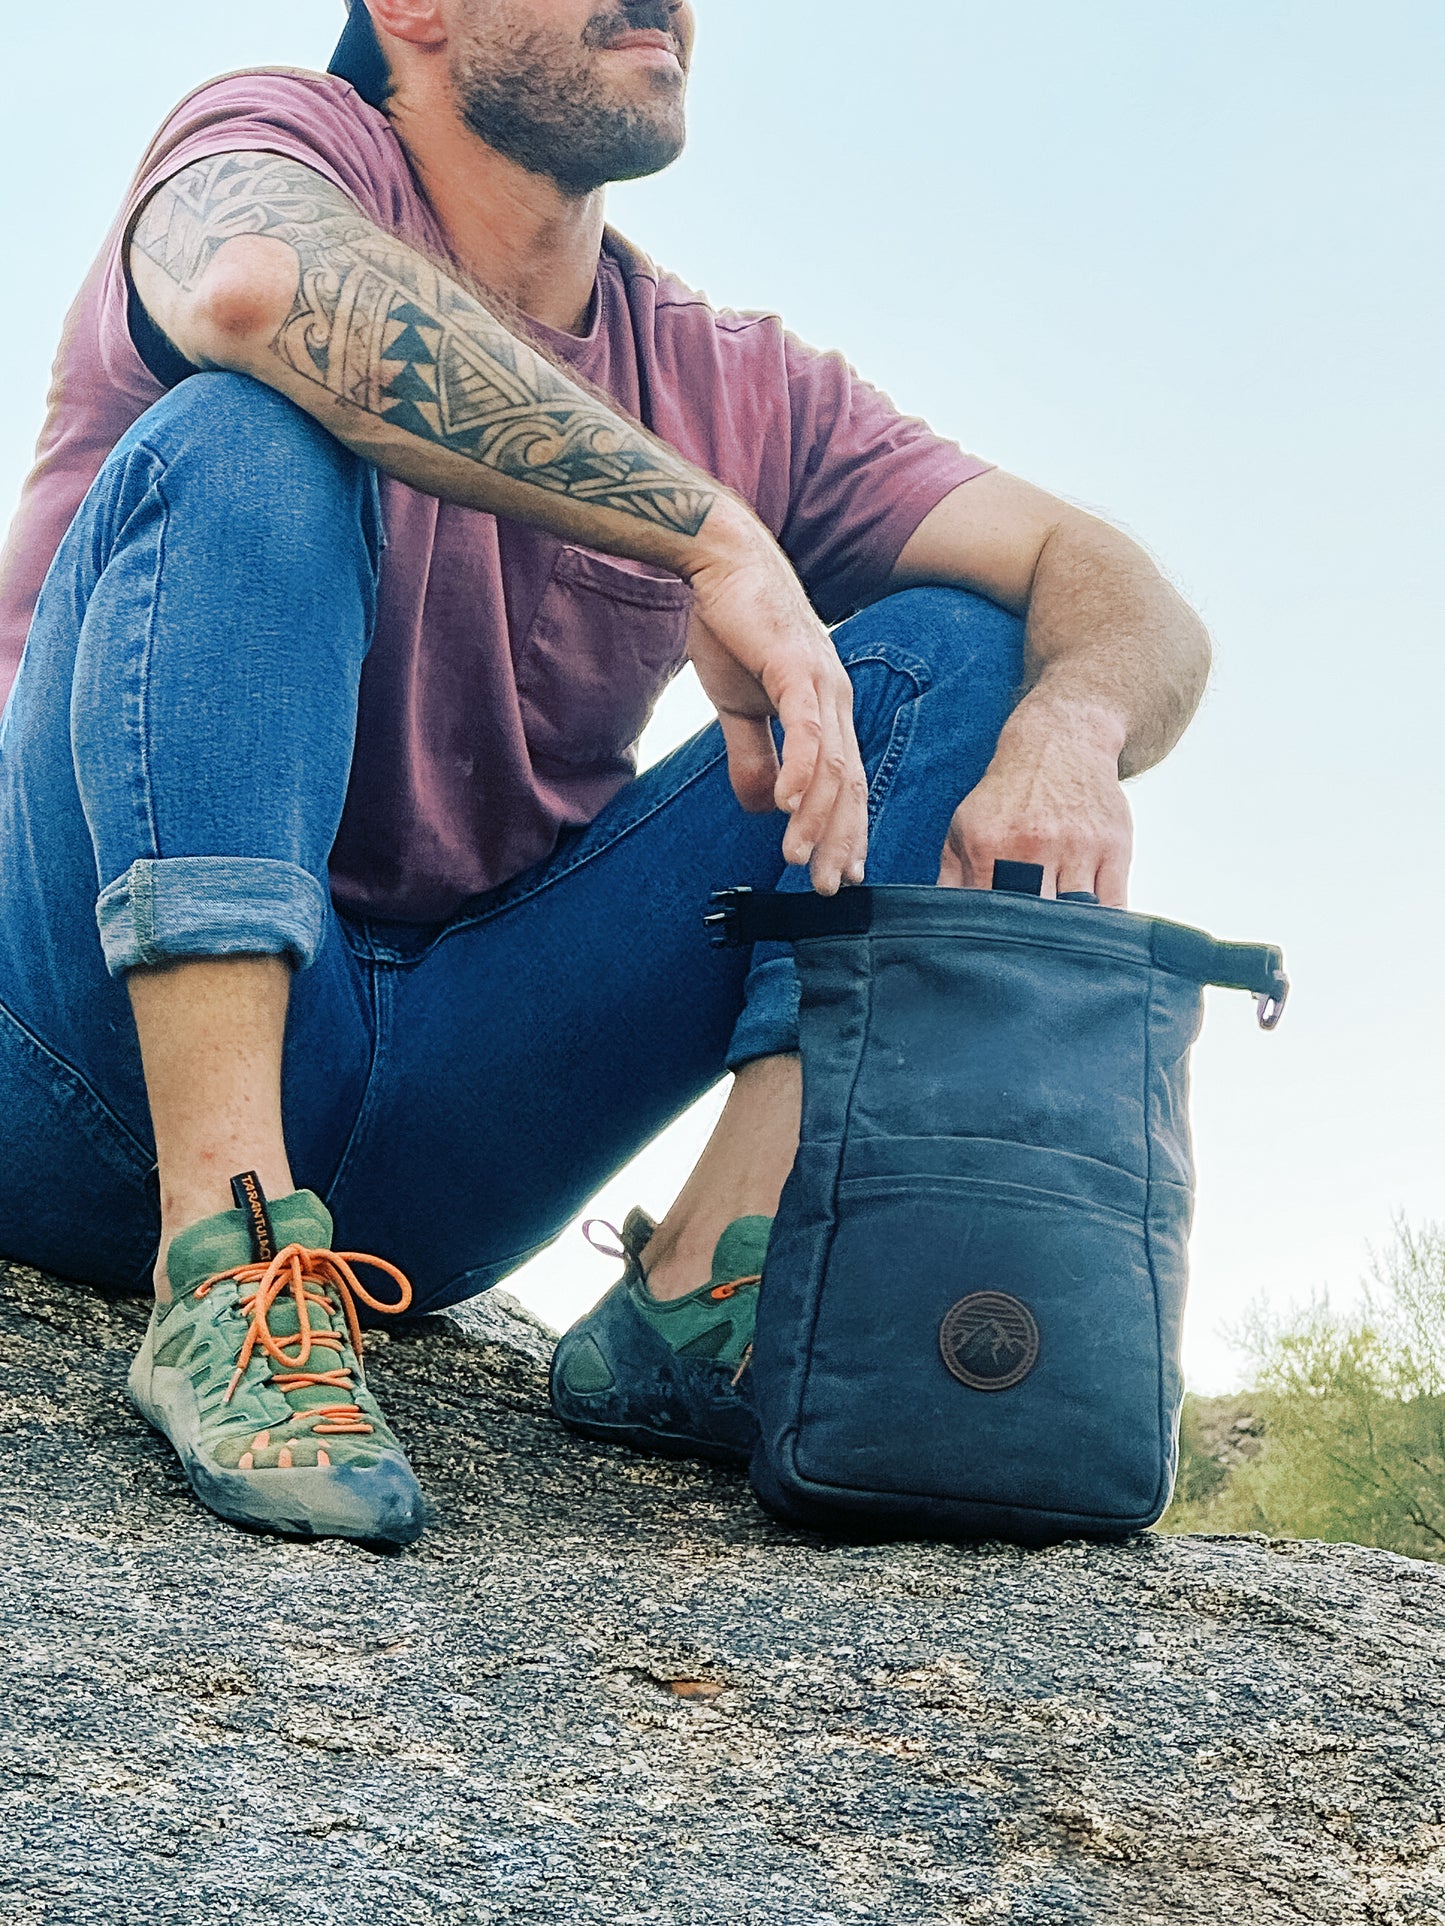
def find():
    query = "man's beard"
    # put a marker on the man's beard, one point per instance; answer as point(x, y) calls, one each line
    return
point(536, 97)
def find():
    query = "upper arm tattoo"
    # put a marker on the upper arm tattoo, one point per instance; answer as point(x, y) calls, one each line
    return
point(381, 327)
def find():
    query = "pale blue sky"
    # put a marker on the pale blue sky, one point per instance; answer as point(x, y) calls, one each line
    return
point(1182, 263)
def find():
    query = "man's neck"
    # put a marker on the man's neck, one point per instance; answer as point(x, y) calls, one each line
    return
point(515, 232)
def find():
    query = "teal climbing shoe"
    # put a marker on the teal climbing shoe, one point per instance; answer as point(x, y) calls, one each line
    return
point(253, 1372)
point(668, 1377)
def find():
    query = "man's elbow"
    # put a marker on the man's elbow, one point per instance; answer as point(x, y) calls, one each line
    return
point(1175, 653)
point(240, 305)
point(1193, 649)
point(1199, 653)
point(1183, 660)
point(1193, 652)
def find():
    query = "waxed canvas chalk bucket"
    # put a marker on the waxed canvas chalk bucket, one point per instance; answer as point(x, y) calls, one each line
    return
point(970, 1318)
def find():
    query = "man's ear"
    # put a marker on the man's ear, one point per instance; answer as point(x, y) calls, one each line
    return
point(419, 22)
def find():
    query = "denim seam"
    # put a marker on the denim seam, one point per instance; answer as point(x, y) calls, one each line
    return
point(901, 732)
point(899, 737)
point(552, 877)
point(140, 886)
point(79, 1078)
point(913, 666)
point(379, 996)
point(146, 799)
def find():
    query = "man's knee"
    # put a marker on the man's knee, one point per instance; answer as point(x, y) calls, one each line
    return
point(936, 634)
point(231, 444)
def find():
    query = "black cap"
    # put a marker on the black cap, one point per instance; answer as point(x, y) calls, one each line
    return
point(359, 59)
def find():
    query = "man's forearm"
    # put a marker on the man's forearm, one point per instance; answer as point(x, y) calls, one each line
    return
point(255, 263)
point(1115, 655)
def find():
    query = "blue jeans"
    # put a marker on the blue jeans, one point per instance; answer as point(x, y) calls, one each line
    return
point(173, 763)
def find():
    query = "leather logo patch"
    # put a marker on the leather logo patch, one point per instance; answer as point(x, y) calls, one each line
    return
point(989, 1341)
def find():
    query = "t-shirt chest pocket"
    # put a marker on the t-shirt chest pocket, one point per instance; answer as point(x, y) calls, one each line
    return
point(604, 643)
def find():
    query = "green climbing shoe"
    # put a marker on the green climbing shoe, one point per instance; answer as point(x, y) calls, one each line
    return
point(254, 1373)
point(668, 1377)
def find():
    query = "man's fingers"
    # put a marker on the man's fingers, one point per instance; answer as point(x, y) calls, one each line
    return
point(758, 647)
point(968, 862)
point(819, 782)
point(951, 871)
point(1113, 884)
point(817, 722)
point(841, 849)
point(975, 850)
point(956, 870)
point(978, 839)
point(829, 830)
point(814, 815)
point(799, 713)
point(853, 810)
point(752, 761)
point(1079, 874)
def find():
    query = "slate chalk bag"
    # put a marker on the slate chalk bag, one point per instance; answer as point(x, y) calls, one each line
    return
point(970, 1318)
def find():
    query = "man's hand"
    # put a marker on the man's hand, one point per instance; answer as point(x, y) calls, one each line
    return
point(1051, 796)
point(760, 651)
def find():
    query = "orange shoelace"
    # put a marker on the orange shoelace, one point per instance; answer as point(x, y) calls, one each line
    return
point(289, 1272)
point(724, 1291)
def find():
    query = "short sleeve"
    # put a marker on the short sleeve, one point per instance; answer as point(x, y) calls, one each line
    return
point(314, 119)
point(862, 479)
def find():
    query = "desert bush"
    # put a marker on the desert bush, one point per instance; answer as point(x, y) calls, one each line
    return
point(1352, 1408)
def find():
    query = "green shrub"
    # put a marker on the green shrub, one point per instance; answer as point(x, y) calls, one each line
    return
point(1352, 1410)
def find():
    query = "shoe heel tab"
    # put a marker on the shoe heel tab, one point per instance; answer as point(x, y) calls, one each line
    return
point(250, 1199)
point(638, 1231)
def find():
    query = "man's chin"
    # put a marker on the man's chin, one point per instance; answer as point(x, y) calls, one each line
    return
point(648, 151)
point(640, 170)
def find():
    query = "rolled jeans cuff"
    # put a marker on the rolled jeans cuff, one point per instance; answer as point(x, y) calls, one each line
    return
point(768, 1026)
point(184, 906)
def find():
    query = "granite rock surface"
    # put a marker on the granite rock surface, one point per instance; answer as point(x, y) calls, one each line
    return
point(604, 1690)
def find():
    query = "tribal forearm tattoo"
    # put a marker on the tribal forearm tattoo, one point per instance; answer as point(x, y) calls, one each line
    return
point(381, 327)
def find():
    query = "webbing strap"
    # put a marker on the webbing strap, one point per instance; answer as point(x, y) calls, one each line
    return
point(742, 916)
point(1256, 967)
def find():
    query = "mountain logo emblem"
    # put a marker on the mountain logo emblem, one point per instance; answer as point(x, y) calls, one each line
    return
point(989, 1341)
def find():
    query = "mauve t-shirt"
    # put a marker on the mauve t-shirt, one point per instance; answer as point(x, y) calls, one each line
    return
point(510, 674)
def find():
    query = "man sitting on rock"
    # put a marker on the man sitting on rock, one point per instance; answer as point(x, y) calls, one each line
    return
point(383, 490)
